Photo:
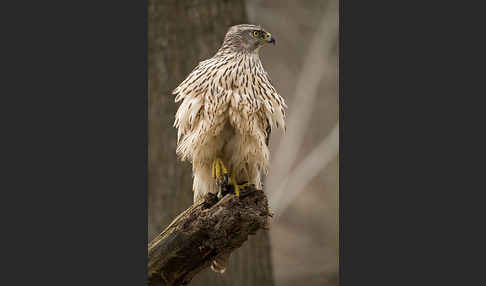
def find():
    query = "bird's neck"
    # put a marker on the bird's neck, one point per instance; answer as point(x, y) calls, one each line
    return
point(230, 47)
point(231, 54)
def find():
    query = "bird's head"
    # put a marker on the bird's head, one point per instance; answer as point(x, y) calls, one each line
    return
point(246, 37)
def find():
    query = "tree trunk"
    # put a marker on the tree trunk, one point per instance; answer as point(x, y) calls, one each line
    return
point(180, 34)
point(202, 232)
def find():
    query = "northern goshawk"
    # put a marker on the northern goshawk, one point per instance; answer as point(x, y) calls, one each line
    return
point(229, 107)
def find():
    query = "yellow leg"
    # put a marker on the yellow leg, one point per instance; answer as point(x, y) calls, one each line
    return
point(220, 173)
point(237, 187)
point(223, 179)
point(219, 169)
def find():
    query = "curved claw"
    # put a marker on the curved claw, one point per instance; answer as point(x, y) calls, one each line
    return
point(219, 168)
point(237, 188)
point(221, 175)
point(226, 182)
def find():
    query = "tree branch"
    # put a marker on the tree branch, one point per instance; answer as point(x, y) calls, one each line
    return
point(202, 232)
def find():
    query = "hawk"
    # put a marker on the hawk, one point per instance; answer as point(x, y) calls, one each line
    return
point(228, 109)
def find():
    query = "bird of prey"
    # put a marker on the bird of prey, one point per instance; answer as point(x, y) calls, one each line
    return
point(229, 107)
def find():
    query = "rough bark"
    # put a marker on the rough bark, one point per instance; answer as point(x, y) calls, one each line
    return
point(202, 232)
point(180, 35)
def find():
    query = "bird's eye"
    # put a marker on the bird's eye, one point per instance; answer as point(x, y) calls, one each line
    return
point(256, 34)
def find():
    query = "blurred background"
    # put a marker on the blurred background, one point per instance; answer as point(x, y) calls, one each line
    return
point(302, 243)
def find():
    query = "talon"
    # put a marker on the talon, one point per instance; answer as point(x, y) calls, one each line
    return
point(238, 188)
point(226, 182)
point(245, 185)
point(224, 189)
point(219, 170)
point(220, 173)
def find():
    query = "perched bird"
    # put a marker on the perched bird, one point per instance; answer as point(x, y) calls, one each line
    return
point(229, 107)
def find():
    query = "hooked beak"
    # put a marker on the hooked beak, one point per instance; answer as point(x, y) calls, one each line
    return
point(269, 38)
